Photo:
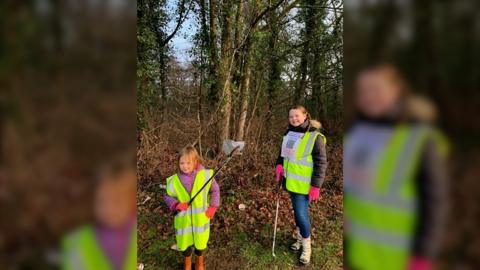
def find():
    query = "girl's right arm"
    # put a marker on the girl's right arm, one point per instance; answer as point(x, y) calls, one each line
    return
point(171, 202)
point(279, 159)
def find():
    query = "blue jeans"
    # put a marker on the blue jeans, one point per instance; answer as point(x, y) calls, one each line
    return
point(300, 208)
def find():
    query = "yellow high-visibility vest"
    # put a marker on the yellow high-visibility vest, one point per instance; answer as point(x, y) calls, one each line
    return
point(192, 227)
point(380, 220)
point(299, 170)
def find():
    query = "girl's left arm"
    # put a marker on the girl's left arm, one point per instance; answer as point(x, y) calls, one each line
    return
point(319, 156)
point(432, 186)
point(215, 194)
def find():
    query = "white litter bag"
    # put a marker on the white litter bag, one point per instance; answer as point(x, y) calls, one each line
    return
point(229, 145)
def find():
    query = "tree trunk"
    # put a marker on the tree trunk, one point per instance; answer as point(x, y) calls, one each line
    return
point(254, 109)
point(302, 79)
point(317, 61)
point(163, 87)
point(317, 85)
point(225, 91)
point(309, 21)
point(245, 90)
point(203, 20)
point(274, 78)
point(212, 94)
point(237, 76)
point(205, 44)
point(199, 113)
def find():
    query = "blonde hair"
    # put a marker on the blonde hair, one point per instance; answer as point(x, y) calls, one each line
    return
point(312, 122)
point(189, 151)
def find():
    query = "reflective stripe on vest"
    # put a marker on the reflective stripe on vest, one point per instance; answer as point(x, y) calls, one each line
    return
point(192, 227)
point(298, 171)
point(81, 251)
point(380, 221)
point(195, 229)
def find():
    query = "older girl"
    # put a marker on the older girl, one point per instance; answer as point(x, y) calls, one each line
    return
point(302, 164)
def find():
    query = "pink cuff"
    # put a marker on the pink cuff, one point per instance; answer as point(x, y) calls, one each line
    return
point(278, 172)
point(314, 193)
point(419, 263)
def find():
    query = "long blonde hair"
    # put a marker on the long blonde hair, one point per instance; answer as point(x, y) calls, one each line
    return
point(311, 122)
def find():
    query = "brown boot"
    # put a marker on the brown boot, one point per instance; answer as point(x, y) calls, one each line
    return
point(200, 262)
point(187, 263)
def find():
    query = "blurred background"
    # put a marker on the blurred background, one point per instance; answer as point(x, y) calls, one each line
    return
point(435, 46)
point(67, 112)
point(68, 105)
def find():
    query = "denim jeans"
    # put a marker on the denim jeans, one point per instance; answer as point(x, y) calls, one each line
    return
point(300, 208)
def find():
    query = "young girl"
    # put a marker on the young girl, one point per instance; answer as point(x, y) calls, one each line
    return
point(192, 222)
point(302, 163)
point(110, 242)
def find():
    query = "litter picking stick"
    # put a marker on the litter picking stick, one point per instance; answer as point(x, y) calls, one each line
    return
point(276, 219)
point(230, 156)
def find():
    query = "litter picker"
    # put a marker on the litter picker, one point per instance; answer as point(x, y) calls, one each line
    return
point(279, 189)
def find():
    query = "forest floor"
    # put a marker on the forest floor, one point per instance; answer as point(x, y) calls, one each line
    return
point(242, 239)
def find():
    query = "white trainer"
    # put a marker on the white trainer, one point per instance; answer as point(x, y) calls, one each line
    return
point(306, 251)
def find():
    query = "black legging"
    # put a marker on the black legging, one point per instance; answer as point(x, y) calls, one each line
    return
point(188, 252)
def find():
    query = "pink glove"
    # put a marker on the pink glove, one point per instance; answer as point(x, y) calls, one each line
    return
point(314, 193)
point(210, 212)
point(181, 206)
point(419, 263)
point(278, 172)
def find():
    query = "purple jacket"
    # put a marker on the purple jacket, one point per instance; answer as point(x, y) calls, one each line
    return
point(187, 182)
point(115, 242)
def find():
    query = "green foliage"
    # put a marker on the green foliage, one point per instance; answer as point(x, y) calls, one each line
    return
point(151, 56)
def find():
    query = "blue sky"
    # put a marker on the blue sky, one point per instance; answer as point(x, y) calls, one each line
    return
point(182, 42)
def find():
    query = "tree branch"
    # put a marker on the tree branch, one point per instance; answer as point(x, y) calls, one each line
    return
point(287, 9)
point(263, 13)
point(181, 19)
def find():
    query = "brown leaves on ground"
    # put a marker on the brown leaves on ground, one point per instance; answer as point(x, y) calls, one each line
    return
point(247, 180)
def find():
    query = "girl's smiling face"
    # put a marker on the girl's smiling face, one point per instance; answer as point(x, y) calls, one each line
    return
point(296, 117)
point(187, 164)
point(377, 93)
